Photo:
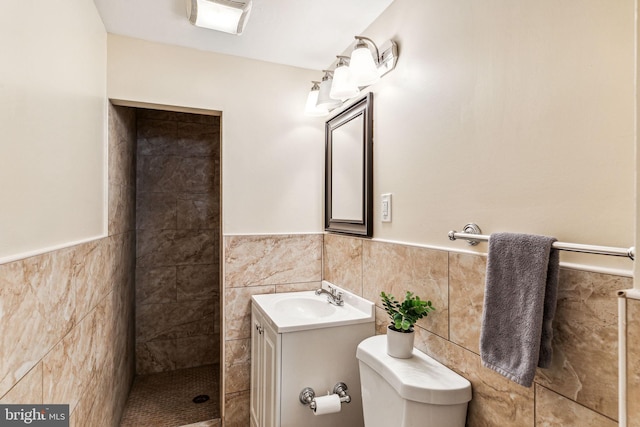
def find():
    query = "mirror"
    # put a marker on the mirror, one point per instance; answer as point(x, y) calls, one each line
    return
point(349, 170)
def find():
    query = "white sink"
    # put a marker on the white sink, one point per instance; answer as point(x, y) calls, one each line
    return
point(305, 307)
point(299, 311)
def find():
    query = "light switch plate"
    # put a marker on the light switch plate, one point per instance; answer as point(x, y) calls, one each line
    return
point(386, 207)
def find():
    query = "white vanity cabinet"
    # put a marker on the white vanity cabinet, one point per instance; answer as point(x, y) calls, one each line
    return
point(296, 343)
point(265, 372)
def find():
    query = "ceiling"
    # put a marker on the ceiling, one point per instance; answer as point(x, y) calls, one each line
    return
point(300, 33)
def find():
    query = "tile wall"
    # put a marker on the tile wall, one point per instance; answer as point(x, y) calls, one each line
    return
point(66, 317)
point(259, 265)
point(580, 389)
point(177, 259)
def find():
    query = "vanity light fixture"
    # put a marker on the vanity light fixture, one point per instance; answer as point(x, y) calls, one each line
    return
point(367, 65)
point(324, 97)
point(229, 16)
point(343, 86)
point(363, 66)
point(312, 108)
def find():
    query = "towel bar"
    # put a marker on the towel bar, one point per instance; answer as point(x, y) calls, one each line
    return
point(475, 237)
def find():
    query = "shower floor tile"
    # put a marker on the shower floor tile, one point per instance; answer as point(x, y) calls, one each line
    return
point(166, 399)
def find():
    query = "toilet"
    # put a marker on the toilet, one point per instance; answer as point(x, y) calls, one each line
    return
point(414, 392)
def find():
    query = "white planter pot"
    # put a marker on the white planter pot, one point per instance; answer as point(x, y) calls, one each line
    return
point(400, 344)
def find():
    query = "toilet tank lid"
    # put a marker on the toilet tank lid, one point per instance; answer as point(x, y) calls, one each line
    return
point(420, 378)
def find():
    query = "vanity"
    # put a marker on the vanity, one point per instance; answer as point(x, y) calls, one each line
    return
point(299, 340)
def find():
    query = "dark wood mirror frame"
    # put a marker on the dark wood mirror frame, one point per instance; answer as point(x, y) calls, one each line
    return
point(359, 117)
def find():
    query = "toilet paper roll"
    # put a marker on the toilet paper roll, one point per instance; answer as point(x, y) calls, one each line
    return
point(327, 404)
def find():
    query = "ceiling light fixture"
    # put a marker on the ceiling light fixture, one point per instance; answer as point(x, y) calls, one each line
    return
point(365, 67)
point(222, 15)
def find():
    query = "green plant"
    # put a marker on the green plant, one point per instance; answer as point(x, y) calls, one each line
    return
point(406, 313)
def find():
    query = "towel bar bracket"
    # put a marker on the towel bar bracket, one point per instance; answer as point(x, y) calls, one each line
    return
point(470, 228)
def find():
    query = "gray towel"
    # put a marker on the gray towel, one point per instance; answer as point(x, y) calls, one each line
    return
point(519, 305)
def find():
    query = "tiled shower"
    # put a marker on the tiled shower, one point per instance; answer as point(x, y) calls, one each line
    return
point(177, 229)
point(177, 285)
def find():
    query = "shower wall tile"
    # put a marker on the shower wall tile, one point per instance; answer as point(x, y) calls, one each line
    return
point(156, 136)
point(197, 350)
point(556, 410)
point(197, 211)
point(397, 269)
point(175, 247)
point(122, 127)
point(180, 134)
point(176, 174)
point(269, 260)
point(121, 170)
point(178, 240)
point(174, 320)
point(122, 213)
point(192, 138)
point(633, 362)
point(466, 299)
point(195, 282)
point(155, 356)
point(156, 211)
point(122, 146)
point(156, 285)
point(342, 259)
point(165, 115)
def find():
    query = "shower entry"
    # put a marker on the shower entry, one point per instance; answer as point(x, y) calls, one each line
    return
point(177, 285)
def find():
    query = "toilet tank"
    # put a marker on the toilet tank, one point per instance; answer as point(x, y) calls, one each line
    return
point(414, 392)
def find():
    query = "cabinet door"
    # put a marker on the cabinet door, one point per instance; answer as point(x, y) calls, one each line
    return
point(270, 377)
point(256, 370)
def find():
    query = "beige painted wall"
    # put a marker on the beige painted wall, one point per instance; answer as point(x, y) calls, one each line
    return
point(52, 116)
point(272, 155)
point(516, 115)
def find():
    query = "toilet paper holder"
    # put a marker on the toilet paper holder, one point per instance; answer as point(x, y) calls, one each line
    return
point(308, 396)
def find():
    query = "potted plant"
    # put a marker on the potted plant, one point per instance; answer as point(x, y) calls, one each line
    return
point(404, 315)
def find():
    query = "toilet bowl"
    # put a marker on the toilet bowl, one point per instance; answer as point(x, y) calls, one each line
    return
point(414, 392)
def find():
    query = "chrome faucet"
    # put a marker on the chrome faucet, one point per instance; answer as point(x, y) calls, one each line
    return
point(334, 296)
